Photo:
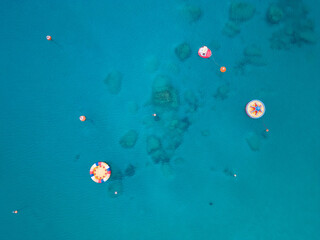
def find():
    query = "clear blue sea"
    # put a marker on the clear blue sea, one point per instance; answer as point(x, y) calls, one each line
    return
point(202, 169)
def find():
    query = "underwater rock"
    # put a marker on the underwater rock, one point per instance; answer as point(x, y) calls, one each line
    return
point(282, 39)
point(184, 124)
point(191, 13)
point(252, 51)
point(115, 188)
point(163, 93)
point(264, 134)
point(173, 142)
point(178, 126)
point(130, 171)
point(173, 136)
point(292, 35)
point(253, 141)
point(183, 51)
point(153, 144)
point(152, 64)
point(129, 139)
point(241, 11)
point(255, 61)
point(308, 36)
point(306, 25)
point(156, 117)
point(205, 133)
point(298, 29)
point(215, 45)
point(179, 161)
point(173, 124)
point(222, 92)
point(191, 100)
point(274, 14)
point(160, 156)
point(252, 55)
point(294, 9)
point(231, 29)
point(116, 174)
point(113, 82)
point(229, 172)
point(167, 170)
point(77, 157)
point(173, 68)
point(132, 107)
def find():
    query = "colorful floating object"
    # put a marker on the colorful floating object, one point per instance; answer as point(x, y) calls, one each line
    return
point(82, 118)
point(49, 38)
point(223, 69)
point(100, 172)
point(255, 109)
point(15, 212)
point(204, 52)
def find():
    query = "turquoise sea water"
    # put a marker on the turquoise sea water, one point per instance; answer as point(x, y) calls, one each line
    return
point(186, 189)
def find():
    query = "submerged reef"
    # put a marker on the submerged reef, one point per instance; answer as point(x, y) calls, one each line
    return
point(151, 64)
point(252, 55)
point(297, 28)
point(228, 172)
point(222, 92)
point(238, 12)
point(252, 51)
point(130, 171)
point(241, 11)
point(129, 139)
point(173, 135)
point(191, 100)
point(169, 125)
point(132, 107)
point(153, 144)
point(179, 161)
point(231, 29)
point(215, 45)
point(293, 34)
point(155, 150)
point(164, 95)
point(253, 141)
point(168, 118)
point(205, 133)
point(191, 13)
point(167, 170)
point(113, 82)
point(172, 68)
point(115, 184)
point(274, 14)
point(183, 51)
point(115, 188)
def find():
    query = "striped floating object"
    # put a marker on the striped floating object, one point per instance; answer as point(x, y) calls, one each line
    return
point(100, 172)
point(255, 109)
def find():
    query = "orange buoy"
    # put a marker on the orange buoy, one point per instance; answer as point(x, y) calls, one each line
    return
point(223, 69)
point(15, 211)
point(267, 130)
point(82, 118)
point(49, 38)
